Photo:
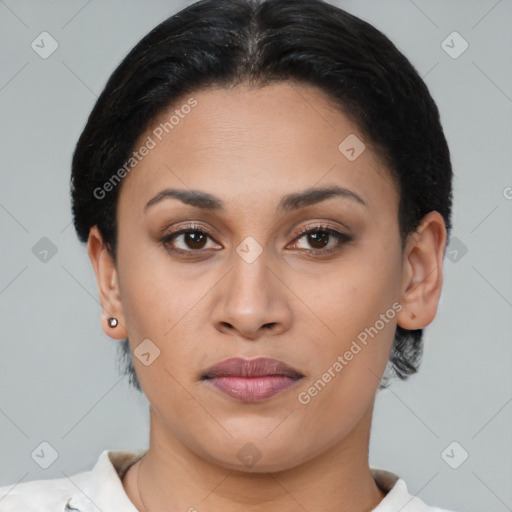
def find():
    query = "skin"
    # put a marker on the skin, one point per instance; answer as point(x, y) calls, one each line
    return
point(249, 147)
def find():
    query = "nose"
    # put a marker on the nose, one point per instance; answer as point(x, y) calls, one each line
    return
point(252, 301)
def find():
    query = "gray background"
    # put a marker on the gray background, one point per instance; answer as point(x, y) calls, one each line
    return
point(59, 379)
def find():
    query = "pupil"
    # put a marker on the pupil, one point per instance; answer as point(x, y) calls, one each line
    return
point(316, 237)
point(195, 239)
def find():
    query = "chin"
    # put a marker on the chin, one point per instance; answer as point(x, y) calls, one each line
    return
point(248, 454)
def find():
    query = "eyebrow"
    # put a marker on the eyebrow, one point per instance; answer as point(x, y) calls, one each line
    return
point(288, 203)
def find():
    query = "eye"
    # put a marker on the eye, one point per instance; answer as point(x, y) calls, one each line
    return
point(194, 239)
point(319, 238)
point(191, 238)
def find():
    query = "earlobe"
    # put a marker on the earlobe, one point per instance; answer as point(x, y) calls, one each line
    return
point(422, 275)
point(108, 285)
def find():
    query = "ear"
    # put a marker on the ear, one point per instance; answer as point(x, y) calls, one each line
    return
point(108, 284)
point(422, 273)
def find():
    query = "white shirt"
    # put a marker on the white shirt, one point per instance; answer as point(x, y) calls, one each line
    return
point(101, 489)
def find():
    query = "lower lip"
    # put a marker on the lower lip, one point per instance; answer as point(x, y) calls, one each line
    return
point(252, 389)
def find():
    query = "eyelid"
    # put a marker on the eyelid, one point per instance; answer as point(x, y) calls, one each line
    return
point(192, 227)
point(318, 226)
point(342, 237)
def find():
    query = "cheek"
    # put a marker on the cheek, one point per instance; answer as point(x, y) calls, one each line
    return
point(347, 364)
point(157, 302)
point(355, 297)
point(153, 292)
point(358, 308)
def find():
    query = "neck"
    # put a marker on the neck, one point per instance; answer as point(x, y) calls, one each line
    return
point(172, 478)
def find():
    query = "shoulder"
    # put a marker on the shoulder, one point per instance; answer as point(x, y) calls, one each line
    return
point(41, 495)
point(398, 496)
point(100, 488)
point(407, 502)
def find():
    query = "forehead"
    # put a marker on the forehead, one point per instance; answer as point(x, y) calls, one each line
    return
point(252, 143)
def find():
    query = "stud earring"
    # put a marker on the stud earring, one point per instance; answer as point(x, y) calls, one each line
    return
point(112, 322)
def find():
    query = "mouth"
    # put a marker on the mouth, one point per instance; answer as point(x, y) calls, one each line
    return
point(251, 380)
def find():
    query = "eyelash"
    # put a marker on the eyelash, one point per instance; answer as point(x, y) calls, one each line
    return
point(194, 228)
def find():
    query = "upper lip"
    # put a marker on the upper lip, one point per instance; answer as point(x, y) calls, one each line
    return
point(257, 367)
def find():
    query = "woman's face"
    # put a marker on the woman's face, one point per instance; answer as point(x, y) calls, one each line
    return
point(253, 285)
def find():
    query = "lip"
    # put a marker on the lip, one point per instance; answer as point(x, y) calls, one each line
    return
point(251, 380)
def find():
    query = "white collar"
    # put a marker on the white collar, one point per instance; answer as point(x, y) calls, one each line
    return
point(102, 489)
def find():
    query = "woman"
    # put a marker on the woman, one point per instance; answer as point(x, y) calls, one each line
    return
point(265, 193)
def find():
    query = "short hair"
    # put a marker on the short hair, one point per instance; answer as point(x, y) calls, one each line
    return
point(228, 42)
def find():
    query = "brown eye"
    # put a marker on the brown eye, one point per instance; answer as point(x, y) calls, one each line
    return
point(318, 239)
point(194, 239)
point(188, 240)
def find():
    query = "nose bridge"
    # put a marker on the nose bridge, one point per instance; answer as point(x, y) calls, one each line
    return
point(250, 276)
point(250, 287)
point(251, 297)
